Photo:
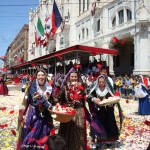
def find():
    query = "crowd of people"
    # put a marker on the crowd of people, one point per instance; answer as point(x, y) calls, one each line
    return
point(83, 94)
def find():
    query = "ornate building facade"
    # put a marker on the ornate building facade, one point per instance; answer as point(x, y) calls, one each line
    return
point(97, 23)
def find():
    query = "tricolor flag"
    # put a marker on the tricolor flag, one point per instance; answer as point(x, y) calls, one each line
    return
point(39, 32)
point(56, 19)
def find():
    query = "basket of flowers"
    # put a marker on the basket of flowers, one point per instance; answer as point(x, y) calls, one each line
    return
point(63, 113)
point(109, 101)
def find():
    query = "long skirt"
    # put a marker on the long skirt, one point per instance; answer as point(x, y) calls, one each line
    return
point(144, 106)
point(103, 125)
point(74, 132)
point(35, 128)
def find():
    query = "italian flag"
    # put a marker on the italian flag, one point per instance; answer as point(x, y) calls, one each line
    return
point(39, 32)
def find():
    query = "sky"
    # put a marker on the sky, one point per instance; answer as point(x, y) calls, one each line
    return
point(13, 15)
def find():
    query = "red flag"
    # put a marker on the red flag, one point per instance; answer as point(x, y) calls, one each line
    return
point(56, 19)
point(115, 39)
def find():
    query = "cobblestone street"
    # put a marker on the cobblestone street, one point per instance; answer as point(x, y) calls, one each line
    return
point(135, 134)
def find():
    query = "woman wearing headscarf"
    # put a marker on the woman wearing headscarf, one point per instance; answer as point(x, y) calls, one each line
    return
point(141, 91)
point(38, 121)
point(103, 122)
point(72, 94)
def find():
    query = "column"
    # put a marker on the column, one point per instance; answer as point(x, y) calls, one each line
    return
point(141, 50)
point(110, 64)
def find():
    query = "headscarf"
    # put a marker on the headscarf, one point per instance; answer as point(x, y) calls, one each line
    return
point(66, 78)
point(109, 87)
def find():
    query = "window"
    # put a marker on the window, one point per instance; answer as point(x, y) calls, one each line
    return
point(114, 22)
point(79, 37)
point(121, 16)
point(129, 15)
point(61, 41)
point(87, 32)
point(98, 25)
point(83, 5)
point(83, 33)
point(87, 4)
point(79, 7)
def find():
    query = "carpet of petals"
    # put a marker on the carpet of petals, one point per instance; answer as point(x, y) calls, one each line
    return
point(135, 133)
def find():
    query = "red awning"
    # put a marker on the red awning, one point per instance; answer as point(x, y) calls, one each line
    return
point(70, 53)
point(80, 49)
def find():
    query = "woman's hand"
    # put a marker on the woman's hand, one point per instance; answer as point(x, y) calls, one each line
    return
point(96, 100)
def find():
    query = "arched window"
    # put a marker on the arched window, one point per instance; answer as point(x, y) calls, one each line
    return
point(129, 15)
point(114, 22)
point(121, 16)
point(98, 25)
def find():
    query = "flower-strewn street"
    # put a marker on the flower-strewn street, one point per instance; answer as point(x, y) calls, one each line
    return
point(135, 133)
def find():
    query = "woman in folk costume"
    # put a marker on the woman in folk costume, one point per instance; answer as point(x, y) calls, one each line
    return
point(38, 121)
point(3, 87)
point(72, 94)
point(144, 102)
point(103, 122)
